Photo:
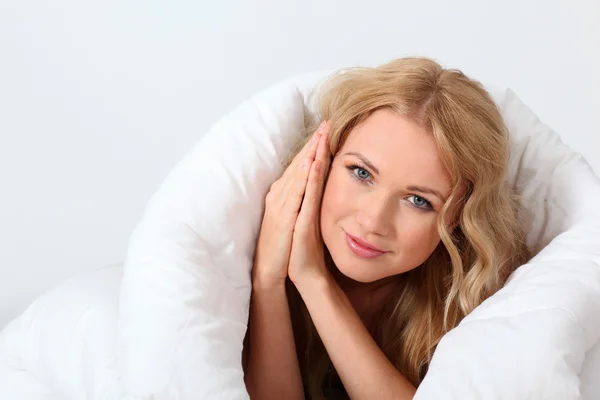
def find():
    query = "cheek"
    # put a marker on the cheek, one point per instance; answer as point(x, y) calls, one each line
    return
point(335, 194)
point(334, 205)
point(418, 238)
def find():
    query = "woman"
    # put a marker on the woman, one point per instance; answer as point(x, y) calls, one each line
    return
point(390, 225)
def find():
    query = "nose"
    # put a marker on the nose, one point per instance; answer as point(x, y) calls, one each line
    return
point(375, 215)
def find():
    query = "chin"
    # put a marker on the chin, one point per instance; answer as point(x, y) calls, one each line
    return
point(356, 269)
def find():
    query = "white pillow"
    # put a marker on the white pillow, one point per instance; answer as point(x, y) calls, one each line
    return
point(529, 340)
point(186, 285)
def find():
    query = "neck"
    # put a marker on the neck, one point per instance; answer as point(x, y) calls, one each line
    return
point(367, 298)
point(349, 285)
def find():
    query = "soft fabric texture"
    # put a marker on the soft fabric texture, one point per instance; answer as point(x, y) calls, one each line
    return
point(63, 346)
point(184, 295)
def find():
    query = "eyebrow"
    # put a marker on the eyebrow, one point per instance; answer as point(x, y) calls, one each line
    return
point(363, 159)
point(417, 188)
point(424, 189)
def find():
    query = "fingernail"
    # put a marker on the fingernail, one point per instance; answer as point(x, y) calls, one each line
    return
point(321, 127)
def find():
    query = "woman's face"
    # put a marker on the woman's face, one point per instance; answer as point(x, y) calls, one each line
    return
point(385, 189)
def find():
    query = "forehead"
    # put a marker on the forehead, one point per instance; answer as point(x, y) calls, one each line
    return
point(401, 149)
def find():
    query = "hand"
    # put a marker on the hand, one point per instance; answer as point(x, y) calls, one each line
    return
point(307, 258)
point(281, 211)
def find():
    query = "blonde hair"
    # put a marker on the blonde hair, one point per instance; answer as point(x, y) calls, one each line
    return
point(474, 259)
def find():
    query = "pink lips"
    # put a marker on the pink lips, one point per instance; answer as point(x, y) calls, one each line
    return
point(361, 248)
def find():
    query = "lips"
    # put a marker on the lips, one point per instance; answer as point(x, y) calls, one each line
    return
point(363, 249)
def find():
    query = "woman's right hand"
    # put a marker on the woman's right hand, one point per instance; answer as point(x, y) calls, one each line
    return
point(282, 205)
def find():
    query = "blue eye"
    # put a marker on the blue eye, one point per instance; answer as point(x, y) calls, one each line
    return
point(362, 173)
point(359, 172)
point(422, 203)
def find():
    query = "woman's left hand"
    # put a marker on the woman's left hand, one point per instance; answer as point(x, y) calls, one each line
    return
point(307, 257)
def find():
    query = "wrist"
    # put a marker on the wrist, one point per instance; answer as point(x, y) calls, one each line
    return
point(318, 283)
point(264, 284)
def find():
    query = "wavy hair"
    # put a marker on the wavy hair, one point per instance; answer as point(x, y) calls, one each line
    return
point(476, 256)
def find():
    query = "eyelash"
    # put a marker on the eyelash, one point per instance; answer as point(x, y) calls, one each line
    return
point(352, 167)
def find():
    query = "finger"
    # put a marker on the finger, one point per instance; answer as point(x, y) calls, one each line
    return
point(324, 157)
point(325, 154)
point(287, 192)
point(310, 146)
point(328, 156)
point(303, 172)
point(322, 153)
point(295, 186)
point(314, 189)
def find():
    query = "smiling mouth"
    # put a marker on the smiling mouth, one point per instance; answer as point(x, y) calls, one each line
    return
point(361, 249)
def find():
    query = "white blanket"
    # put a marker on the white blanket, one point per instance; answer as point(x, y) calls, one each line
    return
point(172, 326)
